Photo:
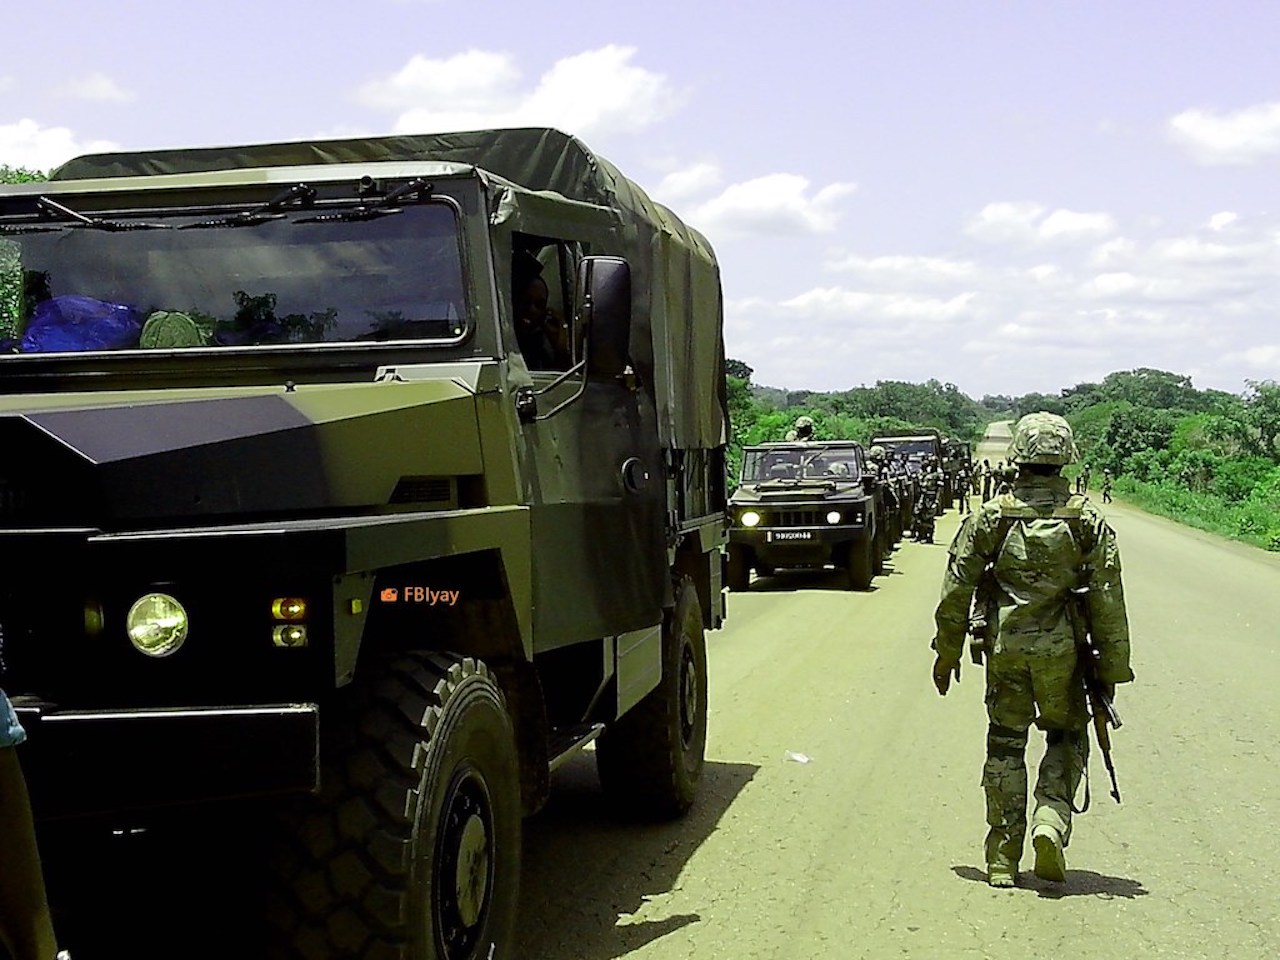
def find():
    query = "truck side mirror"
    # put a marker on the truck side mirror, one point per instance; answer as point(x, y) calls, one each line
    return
point(604, 307)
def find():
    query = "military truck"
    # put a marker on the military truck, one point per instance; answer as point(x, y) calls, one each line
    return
point(286, 511)
point(806, 504)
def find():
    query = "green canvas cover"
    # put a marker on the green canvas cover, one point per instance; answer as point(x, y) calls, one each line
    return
point(677, 341)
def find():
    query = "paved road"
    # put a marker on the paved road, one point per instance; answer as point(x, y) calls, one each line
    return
point(873, 848)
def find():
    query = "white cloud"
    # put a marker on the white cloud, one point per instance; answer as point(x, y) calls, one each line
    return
point(27, 144)
point(776, 204)
point(1114, 251)
point(1005, 222)
point(475, 80)
point(97, 88)
point(1239, 137)
point(1069, 225)
point(859, 304)
point(1220, 221)
point(1265, 356)
point(594, 92)
point(687, 182)
point(904, 270)
point(1028, 224)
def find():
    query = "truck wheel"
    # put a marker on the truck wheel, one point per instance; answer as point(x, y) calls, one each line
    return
point(739, 572)
point(859, 567)
point(650, 760)
point(412, 850)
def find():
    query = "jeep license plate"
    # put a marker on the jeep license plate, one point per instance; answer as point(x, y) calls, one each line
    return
point(790, 535)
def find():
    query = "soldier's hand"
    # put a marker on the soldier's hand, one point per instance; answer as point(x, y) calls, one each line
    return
point(942, 673)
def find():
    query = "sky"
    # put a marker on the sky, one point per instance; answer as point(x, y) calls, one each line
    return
point(1010, 196)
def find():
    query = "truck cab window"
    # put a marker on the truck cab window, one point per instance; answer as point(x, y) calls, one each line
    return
point(541, 302)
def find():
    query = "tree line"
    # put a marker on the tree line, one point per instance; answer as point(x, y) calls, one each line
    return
point(1205, 457)
point(760, 414)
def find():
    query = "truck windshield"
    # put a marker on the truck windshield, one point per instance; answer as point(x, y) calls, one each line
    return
point(830, 463)
point(291, 278)
point(924, 446)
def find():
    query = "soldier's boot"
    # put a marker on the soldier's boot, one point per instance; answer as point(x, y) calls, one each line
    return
point(1051, 862)
point(1004, 780)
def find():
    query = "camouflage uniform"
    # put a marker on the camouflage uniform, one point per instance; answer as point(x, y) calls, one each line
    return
point(1034, 540)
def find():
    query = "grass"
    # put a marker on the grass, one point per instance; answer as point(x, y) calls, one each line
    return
point(1249, 521)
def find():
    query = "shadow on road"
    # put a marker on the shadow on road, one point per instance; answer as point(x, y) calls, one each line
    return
point(789, 581)
point(587, 872)
point(1079, 883)
point(195, 889)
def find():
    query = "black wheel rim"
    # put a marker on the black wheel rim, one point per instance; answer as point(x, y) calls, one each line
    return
point(688, 695)
point(463, 872)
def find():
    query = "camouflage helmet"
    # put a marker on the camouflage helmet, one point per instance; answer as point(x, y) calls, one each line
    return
point(876, 452)
point(802, 422)
point(1043, 438)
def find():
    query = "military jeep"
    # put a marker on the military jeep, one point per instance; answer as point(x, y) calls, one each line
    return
point(289, 508)
point(806, 504)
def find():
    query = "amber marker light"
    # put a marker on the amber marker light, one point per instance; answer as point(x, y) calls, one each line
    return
point(289, 609)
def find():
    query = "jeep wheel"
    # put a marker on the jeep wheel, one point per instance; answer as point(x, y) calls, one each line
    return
point(650, 760)
point(738, 574)
point(412, 850)
point(859, 567)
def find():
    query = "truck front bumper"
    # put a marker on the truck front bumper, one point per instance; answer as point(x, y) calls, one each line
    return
point(90, 762)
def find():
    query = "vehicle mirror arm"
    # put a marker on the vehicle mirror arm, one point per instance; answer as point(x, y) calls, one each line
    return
point(580, 366)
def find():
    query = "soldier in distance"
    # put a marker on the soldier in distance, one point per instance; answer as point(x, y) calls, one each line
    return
point(803, 430)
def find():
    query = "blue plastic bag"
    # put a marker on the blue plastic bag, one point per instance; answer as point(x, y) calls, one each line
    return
point(73, 323)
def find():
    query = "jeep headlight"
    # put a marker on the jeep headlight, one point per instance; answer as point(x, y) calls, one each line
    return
point(750, 518)
point(157, 624)
point(833, 516)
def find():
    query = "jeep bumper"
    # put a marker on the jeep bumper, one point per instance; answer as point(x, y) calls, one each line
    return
point(797, 546)
point(88, 762)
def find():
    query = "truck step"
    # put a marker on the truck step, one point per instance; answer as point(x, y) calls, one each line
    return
point(566, 741)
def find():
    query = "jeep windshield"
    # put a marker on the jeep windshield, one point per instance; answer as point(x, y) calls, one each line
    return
point(830, 464)
point(196, 278)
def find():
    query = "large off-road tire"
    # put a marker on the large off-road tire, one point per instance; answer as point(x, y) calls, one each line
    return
point(860, 565)
point(412, 850)
point(650, 761)
point(738, 573)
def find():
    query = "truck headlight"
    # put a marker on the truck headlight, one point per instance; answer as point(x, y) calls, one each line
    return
point(750, 518)
point(833, 516)
point(156, 624)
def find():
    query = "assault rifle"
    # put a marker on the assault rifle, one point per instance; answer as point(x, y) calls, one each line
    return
point(1101, 705)
point(983, 616)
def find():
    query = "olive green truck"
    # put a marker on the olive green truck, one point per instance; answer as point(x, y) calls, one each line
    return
point(290, 509)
